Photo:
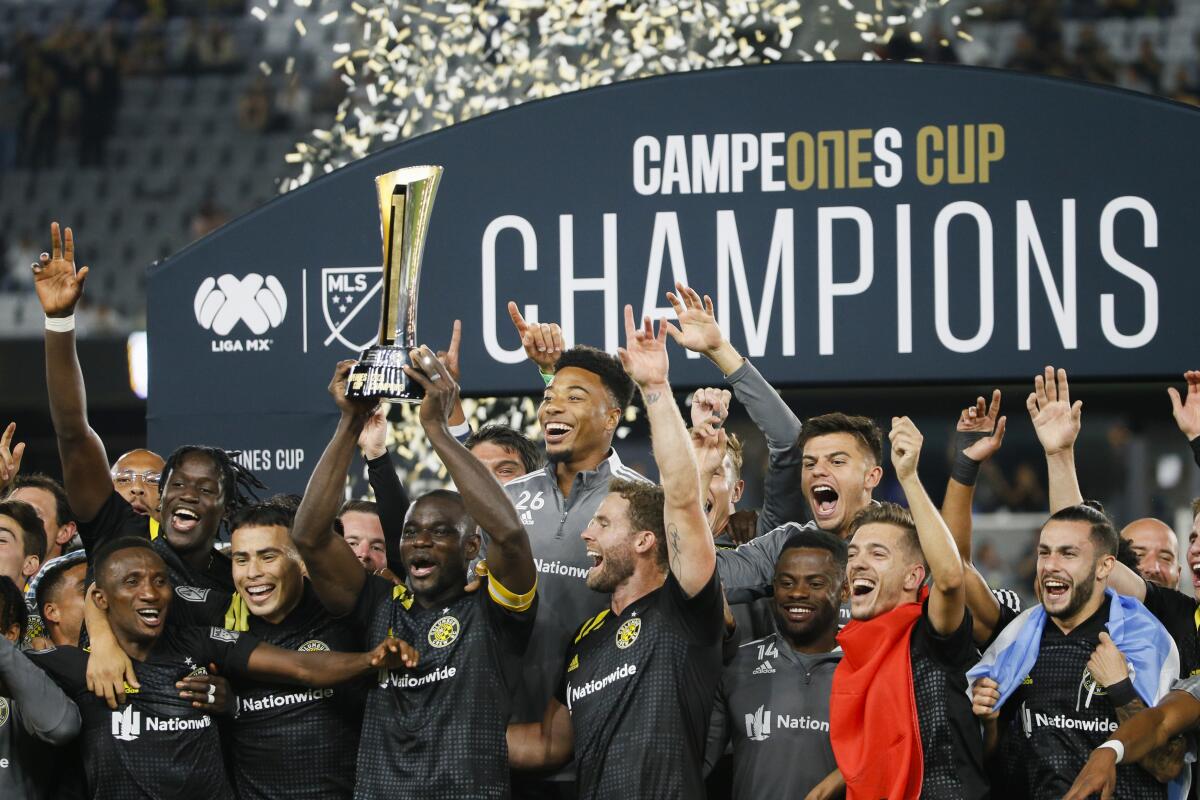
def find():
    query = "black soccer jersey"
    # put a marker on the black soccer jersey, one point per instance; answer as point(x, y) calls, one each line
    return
point(640, 688)
point(950, 739)
point(1178, 613)
point(117, 518)
point(269, 743)
point(156, 745)
point(438, 731)
point(1059, 714)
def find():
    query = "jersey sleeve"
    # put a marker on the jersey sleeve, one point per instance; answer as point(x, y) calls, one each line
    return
point(702, 617)
point(1168, 605)
point(116, 518)
point(953, 651)
point(511, 615)
point(393, 502)
point(376, 590)
point(750, 568)
point(229, 650)
point(66, 666)
point(192, 605)
point(42, 707)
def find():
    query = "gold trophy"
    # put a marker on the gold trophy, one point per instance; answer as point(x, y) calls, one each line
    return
point(405, 204)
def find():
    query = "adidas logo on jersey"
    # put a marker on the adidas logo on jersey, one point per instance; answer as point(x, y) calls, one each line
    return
point(765, 668)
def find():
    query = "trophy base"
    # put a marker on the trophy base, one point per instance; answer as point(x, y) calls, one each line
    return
point(378, 375)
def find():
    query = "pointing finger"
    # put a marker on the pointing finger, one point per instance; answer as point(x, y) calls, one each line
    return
point(518, 321)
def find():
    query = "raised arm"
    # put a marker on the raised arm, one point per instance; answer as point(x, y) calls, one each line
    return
point(336, 575)
point(979, 435)
point(1187, 411)
point(690, 551)
point(390, 494)
point(85, 464)
point(947, 595)
point(320, 670)
point(542, 341)
point(509, 557)
point(542, 745)
point(699, 332)
point(10, 458)
point(1057, 424)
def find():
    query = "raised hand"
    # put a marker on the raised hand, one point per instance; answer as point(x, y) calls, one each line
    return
point(542, 341)
point(644, 355)
point(1055, 419)
point(10, 457)
point(1187, 410)
point(393, 653)
point(710, 408)
point(710, 451)
point(698, 330)
point(349, 406)
point(373, 439)
point(743, 526)
point(984, 425)
point(59, 286)
point(449, 356)
point(441, 390)
point(906, 447)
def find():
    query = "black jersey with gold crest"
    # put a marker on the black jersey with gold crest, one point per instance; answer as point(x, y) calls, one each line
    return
point(156, 745)
point(292, 741)
point(1059, 714)
point(640, 688)
point(438, 731)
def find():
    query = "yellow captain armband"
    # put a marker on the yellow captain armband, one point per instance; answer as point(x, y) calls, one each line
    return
point(505, 597)
point(237, 616)
point(400, 592)
point(153, 529)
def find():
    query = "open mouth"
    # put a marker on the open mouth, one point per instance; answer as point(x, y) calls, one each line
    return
point(1196, 574)
point(557, 432)
point(861, 587)
point(824, 501)
point(184, 520)
point(799, 613)
point(260, 592)
point(1052, 587)
point(421, 567)
point(151, 617)
point(596, 558)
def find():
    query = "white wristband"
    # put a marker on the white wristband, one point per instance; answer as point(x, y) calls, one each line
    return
point(60, 324)
point(461, 431)
point(1116, 746)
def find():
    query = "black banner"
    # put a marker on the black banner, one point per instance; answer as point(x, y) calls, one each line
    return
point(854, 223)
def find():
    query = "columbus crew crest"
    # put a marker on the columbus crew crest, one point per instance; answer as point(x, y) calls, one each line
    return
point(313, 646)
point(628, 632)
point(444, 632)
point(3, 711)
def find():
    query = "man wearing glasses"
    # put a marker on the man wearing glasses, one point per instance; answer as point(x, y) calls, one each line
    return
point(135, 476)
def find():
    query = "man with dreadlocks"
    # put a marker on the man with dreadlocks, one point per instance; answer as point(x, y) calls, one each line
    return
point(200, 486)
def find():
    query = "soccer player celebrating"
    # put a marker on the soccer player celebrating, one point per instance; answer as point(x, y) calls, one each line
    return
point(900, 719)
point(22, 541)
point(780, 684)
point(160, 744)
point(49, 500)
point(200, 487)
point(637, 685)
point(1156, 547)
point(437, 732)
point(1060, 674)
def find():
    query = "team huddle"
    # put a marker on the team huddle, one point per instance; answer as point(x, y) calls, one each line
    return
point(559, 626)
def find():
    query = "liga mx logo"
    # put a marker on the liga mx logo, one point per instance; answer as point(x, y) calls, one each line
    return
point(257, 302)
